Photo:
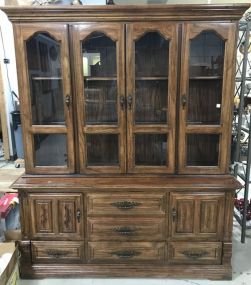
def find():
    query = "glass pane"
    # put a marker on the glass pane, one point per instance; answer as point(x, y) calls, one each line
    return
point(205, 84)
point(102, 150)
point(151, 101)
point(151, 72)
point(44, 69)
point(151, 149)
point(204, 102)
point(202, 150)
point(50, 149)
point(100, 81)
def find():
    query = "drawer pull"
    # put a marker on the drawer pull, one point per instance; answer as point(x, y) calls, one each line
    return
point(57, 254)
point(126, 205)
point(126, 253)
point(78, 215)
point(174, 214)
point(125, 231)
point(195, 254)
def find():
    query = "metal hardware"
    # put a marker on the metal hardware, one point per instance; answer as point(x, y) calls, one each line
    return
point(126, 253)
point(68, 100)
point(110, 2)
point(126, 205)
point(183, 101)
point(57, 254)
point(122, 102)
point(174, 214)
point(125, 231)
point(129, 102)
point(195, 254)
point(78, 215)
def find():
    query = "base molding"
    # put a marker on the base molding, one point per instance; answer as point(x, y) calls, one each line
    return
point(216, 272)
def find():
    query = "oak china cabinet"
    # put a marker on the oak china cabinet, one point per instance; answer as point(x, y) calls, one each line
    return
point(126, 115)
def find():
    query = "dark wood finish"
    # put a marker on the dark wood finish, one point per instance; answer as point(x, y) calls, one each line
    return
point(196, 216)
point(116, 33)
point(226, 32)
point(57, 252)
point(56, 216)
point(125, 204)
point(197, 253)
point(126, 229)
point(170, 33)
point(126, 252)
point(117, 13)
point(140, 214)
point(59, 33)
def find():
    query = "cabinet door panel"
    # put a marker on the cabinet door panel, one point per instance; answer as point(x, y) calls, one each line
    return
point(206, 89)
point(197, 216)
point(45, 95)
point(151, 92)
point(56, 216)
point(100, 94)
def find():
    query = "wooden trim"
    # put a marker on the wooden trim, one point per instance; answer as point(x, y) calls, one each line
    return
point(3, 119)
point(59, 32)
point(126, 13)
point(116, 33)
point(227, 32)
point(168, 31)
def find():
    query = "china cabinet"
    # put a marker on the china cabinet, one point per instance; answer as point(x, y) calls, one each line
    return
point(126, 115)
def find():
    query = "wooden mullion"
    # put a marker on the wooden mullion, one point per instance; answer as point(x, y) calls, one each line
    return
point(50, 129)
point(203, 129)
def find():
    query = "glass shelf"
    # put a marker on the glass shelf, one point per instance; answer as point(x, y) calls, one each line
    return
point(92, 78)
point(152, 78)
point(205, 77)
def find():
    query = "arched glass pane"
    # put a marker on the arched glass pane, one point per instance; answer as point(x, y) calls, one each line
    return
point(100, 80)
point(151, 72)
point(44, 69)
point(205, 79)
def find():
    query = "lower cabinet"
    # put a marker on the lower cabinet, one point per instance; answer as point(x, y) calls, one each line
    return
point(164, 229)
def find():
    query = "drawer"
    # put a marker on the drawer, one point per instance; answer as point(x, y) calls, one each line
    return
point(126, 252)
point(126, 229)
point(125, 204)
point(57, 252)
point(194, 253)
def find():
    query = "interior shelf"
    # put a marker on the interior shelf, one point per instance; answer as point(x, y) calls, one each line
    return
point(46, 78)
point(92, 78)
point(205, 77)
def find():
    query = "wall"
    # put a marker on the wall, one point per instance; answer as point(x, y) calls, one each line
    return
point(8, 42)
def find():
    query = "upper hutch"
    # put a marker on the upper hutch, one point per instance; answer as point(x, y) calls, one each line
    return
point(126, 116)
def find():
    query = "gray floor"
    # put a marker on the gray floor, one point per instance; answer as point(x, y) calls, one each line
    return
point(241, 271)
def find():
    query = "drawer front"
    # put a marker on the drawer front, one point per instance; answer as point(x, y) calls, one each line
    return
point(194, 253)
point(126, 229)
point(127, 252)
point(57, 252)
point(125, 204)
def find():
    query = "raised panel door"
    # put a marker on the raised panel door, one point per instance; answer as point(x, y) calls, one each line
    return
point(205, 103)
point(197, 216)
point(56, 216)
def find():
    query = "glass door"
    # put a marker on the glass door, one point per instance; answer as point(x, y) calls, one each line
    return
point(206, 97)
point(151, 92)
point(46, 99)
point(100, 91)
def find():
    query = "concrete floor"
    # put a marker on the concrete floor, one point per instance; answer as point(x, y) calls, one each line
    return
point(241, 256)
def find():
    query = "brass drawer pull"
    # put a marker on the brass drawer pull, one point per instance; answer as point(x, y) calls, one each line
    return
point(125, 231)
point(195, 254)
point(68, 100)
point(126, 205)
point(126, 253)
point(130, 101)
point(122, 102)
point(57, 254)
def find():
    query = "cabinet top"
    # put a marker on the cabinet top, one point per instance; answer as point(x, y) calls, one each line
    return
point(121, 13)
